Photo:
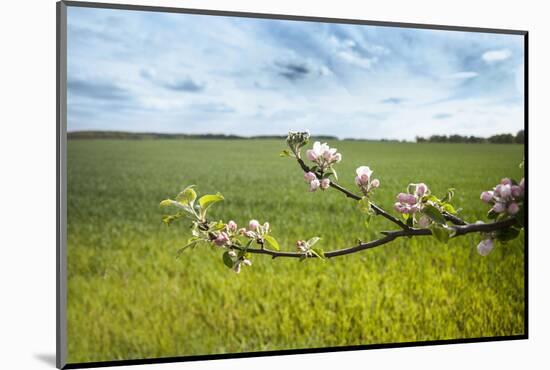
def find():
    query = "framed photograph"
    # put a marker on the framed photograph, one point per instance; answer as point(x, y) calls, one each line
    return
point(235, 184)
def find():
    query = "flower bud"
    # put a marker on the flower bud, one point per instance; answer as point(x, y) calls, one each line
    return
point(337, 157)
point(411, 199)
point(375, 183)
point(232, 253)
point(250, 234)
point(325, 183)
point(247, 262)
point(221, 239)
point(242, 231)
point(499, 207)
point(506, 181)
point(485, 247)
point(486, 196)
point(237, 267)
point(266, 227)
point(311, 155)
point(516, 191)
point(505, 191)
point(314, 185)
point(421, 189)
point(253, 225)
point(403, 197)
point(231, 226)
point(513, 208)
point(309, 176)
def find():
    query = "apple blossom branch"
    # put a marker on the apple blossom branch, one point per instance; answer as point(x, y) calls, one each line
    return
point(423, 214)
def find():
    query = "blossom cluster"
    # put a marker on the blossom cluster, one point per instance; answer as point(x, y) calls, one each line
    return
point(411, 203)
point(297, 140)
point(223, 238)
point(365, 181)
point(506, 197)
point(315, 183)
point(255, 230)
point(238, 262)
point(323, 156)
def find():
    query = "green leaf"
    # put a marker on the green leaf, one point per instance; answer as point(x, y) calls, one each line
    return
point(450, 194)
point(434, 213)
point(318, 252)
point(311, 242)
point(187, 196)
point(440, 233)
point(191, 242)
point(272, 242)
point(364, 205)
point(227, 260)
point(207, 200)
point(286, 153)
point(166, 203)
point(508, 234)
point(449, 208)
point(367, 220)
point(217, 226)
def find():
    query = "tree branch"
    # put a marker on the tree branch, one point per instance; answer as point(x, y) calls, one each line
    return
point(390, 236)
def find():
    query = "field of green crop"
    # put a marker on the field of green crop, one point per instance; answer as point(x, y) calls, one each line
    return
point(129, 297)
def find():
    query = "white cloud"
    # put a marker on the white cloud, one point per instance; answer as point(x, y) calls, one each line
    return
point(492, 56)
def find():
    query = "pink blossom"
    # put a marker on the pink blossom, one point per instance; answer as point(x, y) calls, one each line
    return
point(516, 191)
point(375, 183)
point(513, 208)
point(499, 207)
point(337, 157)
point(232, 226)
point(309, 176)
point(311, 155)
point(409, 199)
point(505, 191)
point(221, 239)
point(486, 196)
point(250, 234)
point(314, 185)
point(325, 183)
point(242, 231)
point(485, 247)
point(363, 175)
point(253, 225)
point(421, 189)
point(506, 181)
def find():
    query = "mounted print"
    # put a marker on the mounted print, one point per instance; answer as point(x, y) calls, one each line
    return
point(234, 184)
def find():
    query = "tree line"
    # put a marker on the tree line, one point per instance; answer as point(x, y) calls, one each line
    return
point(519, 138)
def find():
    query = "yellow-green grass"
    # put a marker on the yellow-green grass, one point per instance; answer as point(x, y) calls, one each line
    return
point(129, 297)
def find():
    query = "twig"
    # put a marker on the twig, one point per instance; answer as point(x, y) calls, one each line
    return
point(390, 236)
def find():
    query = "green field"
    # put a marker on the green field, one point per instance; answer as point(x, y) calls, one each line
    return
point(129, 297)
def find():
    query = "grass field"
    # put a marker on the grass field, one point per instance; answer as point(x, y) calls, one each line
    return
point(129, 297)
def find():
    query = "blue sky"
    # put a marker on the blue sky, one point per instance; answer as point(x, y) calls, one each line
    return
point(178, 73)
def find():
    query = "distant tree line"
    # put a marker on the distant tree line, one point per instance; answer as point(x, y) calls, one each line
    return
point(124, 135)
point(519, 138)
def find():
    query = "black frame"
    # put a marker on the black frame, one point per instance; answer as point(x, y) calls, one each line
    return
point(61, 190)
